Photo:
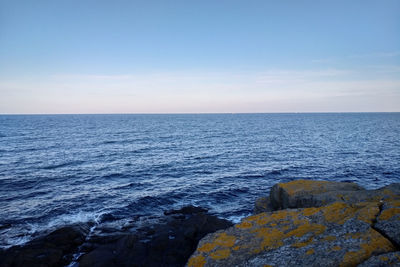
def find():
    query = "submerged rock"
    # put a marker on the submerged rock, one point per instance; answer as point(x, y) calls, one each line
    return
point(342, 224)
point(54, 249)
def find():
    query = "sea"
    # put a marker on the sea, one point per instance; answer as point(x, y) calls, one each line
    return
point(119, 171)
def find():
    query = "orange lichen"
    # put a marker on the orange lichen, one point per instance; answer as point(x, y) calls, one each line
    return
point(383, 258)
point(236, 248)
point(244, 225)
point(272, 238)
point(220, 254)
point(222, 240)
point(303, 244)
point(337, 212)
point(376, 243)
point(329, 238)
point(389, 213)
point(304, 186)
point(196, 261)
point(310, 251)
point(316, 229)
point(369, 212)
point(336, 248)
point(310, 211)
point(207, 247)
point(354, 235)
point(225, 240)
point(390, 193)
point(340, 212)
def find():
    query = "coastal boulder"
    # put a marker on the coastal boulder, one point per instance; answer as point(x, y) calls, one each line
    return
point(338, 234)
point(309, 193)
point(263, 204)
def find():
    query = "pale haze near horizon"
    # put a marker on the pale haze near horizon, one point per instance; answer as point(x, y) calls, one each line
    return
point(199, 57)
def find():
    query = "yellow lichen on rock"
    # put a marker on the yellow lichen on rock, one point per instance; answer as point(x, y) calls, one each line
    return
point(374, 244)
point(315, 229)
point(389, 213)
point(339, 233)
point(310, 251)
point(383, 258)
point(207, 247)
point(329, 238)
point(271, 238)
point(303, 186)
point(303, 244)
point(369, 212)
point(197, 261)
point(310, 211)
point(222, 240)
point(339, 212)
point(244, 225)
point(220, 254)
point(225, 240)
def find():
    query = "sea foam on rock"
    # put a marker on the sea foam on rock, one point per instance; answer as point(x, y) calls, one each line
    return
point(309, 223)
point(170, 242)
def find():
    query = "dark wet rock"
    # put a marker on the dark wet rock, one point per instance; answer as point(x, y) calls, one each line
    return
point(388, 222)
point(169, 243)
point(383, 260)
point(186, 210)
point(54, 249)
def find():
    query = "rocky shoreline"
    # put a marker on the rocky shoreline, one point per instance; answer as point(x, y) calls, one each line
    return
point(300, 223)
point(311, 223)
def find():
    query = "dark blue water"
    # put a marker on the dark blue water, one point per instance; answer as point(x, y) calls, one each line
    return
point(61, 169)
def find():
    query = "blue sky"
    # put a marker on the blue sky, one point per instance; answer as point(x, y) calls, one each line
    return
point(199, 56)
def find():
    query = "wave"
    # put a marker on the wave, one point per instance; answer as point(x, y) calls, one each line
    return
point(61, 165)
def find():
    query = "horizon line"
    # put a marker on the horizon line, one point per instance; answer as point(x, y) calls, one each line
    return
point(199, 113)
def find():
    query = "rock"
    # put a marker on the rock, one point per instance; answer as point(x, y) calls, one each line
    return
point(388, 222)
point(166, 244)
point(387, 259)
point(263, 204)
point(186, 210)
point(308, 193)
point(333, 235)
point(54, 249)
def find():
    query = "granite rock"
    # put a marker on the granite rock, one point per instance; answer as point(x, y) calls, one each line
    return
point(333, 224)
point(388, 222)
point(383, 260)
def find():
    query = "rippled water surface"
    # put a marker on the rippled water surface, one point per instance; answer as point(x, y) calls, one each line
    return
point(60, 169)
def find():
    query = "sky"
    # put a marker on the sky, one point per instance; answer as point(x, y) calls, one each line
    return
point(81, 56)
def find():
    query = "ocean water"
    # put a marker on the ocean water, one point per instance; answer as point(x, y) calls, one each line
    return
point(118, 171)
